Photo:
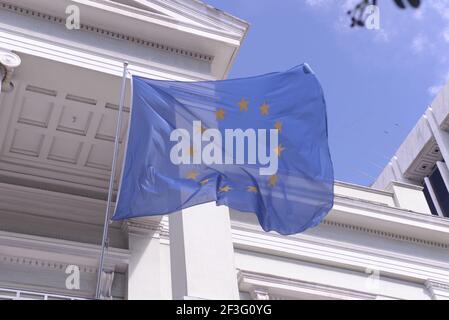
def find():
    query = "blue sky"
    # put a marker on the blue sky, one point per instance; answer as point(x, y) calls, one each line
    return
point(377, 82)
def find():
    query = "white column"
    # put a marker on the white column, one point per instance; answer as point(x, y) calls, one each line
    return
point(202, 254)
point(144, 276)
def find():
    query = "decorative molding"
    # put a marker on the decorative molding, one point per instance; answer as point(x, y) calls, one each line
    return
point(143, 226)
point(194, 11)
point(437, 290)
point(276, 287)
point(387, 235)
point(107, 279)
point(32, 247)
point(337, 254)
point(402, 218)
point(43, 264)
point(9, 61)
point(338, 197)
point(107, 33)
point(259, 294)
point(404, 185)
point(363, 188)
point(436, 284)
point(357, 215)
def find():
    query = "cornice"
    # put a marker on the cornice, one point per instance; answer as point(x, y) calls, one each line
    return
point(316, 249)
point(342, 198)
point(358, 215)
point(43, 263)
point(107, 33)
point(32, 247)
point(154, 226)
point(404, 185)
point(143, 226)
point(254, 281)
point(387, 235)
point(436, 284)
point(176, 17)
point(231, 20)
point(363, 188)
point(197, 12)
point(361, 213)
point(437, 289)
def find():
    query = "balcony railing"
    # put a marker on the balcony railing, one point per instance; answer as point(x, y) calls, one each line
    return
point(12, 294)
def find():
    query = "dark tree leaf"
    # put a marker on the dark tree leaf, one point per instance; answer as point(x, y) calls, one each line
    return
point(400, 4)
point(414, 3)
point(358, 16)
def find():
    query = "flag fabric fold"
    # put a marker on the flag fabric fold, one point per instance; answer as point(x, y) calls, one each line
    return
point(256, 144)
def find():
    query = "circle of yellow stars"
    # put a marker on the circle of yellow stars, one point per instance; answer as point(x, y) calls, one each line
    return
point(220, 114)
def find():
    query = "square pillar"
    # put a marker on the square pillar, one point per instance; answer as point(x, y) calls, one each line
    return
point(144, 269)
point(409, 197)
point(202, 254)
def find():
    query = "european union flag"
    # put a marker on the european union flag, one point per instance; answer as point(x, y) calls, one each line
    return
point(257, 144)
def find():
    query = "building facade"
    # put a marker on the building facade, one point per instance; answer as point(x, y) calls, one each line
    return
point(58, 111)
point(422, 159)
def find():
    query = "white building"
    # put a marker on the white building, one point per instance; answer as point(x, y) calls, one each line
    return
point(422, 159)
point(57, 120)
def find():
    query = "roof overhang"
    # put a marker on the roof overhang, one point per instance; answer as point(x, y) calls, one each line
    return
point(185, 25)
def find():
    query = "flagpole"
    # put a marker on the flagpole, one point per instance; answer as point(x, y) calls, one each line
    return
point(105, 239)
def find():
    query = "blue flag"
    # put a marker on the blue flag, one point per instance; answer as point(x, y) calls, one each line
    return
point(257, 144)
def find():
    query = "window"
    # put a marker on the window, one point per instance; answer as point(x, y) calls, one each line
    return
point(441, 193)
point(430, 201)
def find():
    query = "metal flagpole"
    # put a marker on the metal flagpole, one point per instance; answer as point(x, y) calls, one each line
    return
point(105, 240)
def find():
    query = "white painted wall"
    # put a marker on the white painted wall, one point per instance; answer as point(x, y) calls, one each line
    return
point(409, 197)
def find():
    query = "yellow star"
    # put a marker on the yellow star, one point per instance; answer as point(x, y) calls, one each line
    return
point(204, 182)
point(191, 151)
point(220, 114)
point(225, 189)
point(191, 175)
point(252, 189)
point(264, 109)
point(278, 126)
point(243, 104)
point(272, 180)
point(278, 150)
